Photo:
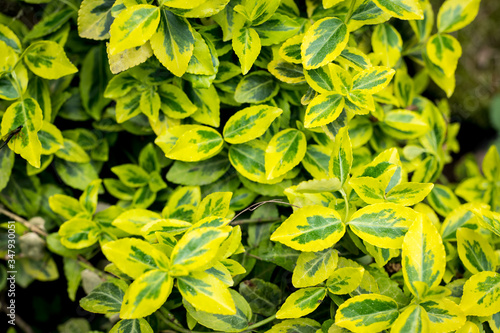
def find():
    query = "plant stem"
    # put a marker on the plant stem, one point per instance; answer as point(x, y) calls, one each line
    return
point(24, 222)
point(261, 323)
point(344, 195)
point(259, 220)
point(349, 13)
point(172, 325)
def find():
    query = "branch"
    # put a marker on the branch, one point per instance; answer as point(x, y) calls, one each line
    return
point(24, 222)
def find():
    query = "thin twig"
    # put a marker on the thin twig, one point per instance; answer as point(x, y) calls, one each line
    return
point(24, 222)
point(259, 220)
point(258, 204)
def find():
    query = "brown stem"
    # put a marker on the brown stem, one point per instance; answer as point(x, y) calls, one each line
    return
point(24, 222)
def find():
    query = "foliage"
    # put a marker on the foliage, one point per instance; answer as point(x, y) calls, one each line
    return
point(161, 120)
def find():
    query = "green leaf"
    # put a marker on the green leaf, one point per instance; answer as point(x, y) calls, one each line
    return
point(316, 161)
point(76, 175)
point(345, 280)
point(367, 313)
point(206, 293)
point(257, 87)
point(10, 38)
point(373, 80)
point(279, 28)
point(105, 298)
point(47, 59)
point(290, 49)
point(412, 319)
point(173, 42)
point(198, 173)
point(323, 109)
point(146, 294)
point(444, 51)
point(355, 58)
point(481, 294)
point(131, 175)
point(404, 124)
point(387, 44)
point(135, 257)
point(50, 138)
point(49, 24)
point(95, 19)
point(88, 199)
point(133, 220)
point(246, 45)
point(409, 194)
point(423, 256)
point(456, 14)
point(224, 323)
point(311, 228)
point(25, 113)
point(444, 315)
point(383, 225)
point(314, 267)
point(323, 42)
point(442, 200)
point(174, 102)
point(214, 204)
point(263, 297)
point(320, 79)
point(285, 150)
point(491, 164)
point(132, 326)
point(78, 233)
point(475, 251)
point(301, 303)
point(6, 165)
point(402, 9)
point(341, 158)
point(196, 249)
point(206, 99)
point(287, 72)
point(133, 27)
point(303, 325)
point(250, 123)
point(72, 152)
point(196, 144)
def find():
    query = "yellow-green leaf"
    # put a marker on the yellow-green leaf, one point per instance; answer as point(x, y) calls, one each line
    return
point(290, 49)
point(246, 45)
point(423, 257)
point(316, 161)
point(373, 79)
point(402, 9)
point(10, 38)
point(488, 219)
point(174, 102)
point(287, 72)
point(133, 220)
point(206, 293)
point(250, 123)
point(133, 27)
point(444, 315)
point(404, 124)
point(409, 194)
point(78, 233)
point(173, 42)
point(444, 51)
point(414, 319)
point(285, 150)
point(481, 295)
point(311, 228)
point(303, 325)
point(320, 79)
point(47, 59)
point(323, 109)
point(456, 14)
point(72, 152)
point(323, 42)
point(475, 251)
point(383, 225)
point(196, 249)
point(50, 138)
point(367, 313)
point(301, 303)
point(491, 164)
point(341, 157)
point(387, 44)
point(135, 257)
point(94, 19)
point(25, 113)
point(146, 294)
point(345, 280)
point(314, 267)
point(214, 204)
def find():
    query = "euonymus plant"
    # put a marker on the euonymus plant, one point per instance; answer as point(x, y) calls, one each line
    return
point(248, 165)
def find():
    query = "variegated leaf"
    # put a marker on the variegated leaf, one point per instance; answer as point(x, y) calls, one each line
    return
point(323, 109)
point(301, 303)
point(323, 42)
point(285, 150)
point(311, 228)
point(250, 123)
point(402, 9)
point(475, 251)
point(423, 256)
point(345, 280)
point(481, 295)
point(413, 319)
point(444, 51)
point(314, 267)
point(456, 14)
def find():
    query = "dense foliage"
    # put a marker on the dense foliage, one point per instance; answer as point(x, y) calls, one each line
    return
point(247, 165)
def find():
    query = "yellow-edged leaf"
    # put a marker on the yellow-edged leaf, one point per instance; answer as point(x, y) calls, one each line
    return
point(250, 123)
point(285, 150)
point(314, 267)
point(301, 303)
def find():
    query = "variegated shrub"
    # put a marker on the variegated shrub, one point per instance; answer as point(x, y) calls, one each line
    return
point(249, 165)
